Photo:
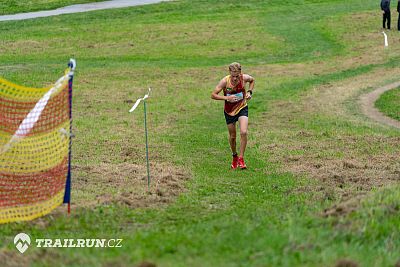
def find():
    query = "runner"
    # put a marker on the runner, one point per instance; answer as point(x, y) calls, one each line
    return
point(236, 97)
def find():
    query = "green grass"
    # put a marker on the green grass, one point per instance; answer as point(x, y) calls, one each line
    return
point(15, 6)
point(258, 217)
point(388, 103)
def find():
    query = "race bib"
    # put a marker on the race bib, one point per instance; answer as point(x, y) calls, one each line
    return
point(238, 95)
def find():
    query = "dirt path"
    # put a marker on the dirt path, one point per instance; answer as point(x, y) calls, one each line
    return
point(368, 107)
point(79, 8)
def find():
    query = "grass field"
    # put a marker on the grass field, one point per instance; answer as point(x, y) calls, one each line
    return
point(388, 103)
point(322, 183)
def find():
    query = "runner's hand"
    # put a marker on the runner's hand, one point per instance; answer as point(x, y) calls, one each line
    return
point(248, 96)
point(232, 99)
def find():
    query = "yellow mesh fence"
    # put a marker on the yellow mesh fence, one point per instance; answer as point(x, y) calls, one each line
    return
point(34, 148)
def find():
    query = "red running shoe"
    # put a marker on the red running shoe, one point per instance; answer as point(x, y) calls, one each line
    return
point(241, 163)
point(235, 160)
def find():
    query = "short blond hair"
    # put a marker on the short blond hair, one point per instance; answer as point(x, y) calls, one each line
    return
point(235, 66)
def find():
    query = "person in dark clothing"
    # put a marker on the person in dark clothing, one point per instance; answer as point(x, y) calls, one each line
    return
point(385, 6)
point(398, 20)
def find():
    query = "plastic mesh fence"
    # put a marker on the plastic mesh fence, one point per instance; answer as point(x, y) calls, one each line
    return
point(34, 148)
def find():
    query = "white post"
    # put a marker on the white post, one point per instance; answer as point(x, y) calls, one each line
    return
point(386, 39)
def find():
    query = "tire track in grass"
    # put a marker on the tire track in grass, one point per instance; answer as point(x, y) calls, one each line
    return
point(367, 103)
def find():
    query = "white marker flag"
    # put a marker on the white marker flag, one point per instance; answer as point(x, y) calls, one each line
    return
point(138, 101)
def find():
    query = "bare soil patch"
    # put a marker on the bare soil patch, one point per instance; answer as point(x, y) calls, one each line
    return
point(13, 258)
point(127, 184)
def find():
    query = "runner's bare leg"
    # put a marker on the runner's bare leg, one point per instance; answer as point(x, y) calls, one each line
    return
point(243, 123)
point(232, 136)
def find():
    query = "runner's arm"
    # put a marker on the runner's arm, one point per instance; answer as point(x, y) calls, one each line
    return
point(220, 86)
point(251, 81)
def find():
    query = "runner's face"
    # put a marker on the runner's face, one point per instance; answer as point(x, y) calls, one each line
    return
point(235, 75)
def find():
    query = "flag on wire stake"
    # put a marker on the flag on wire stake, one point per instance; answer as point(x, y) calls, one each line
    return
point(145, 129)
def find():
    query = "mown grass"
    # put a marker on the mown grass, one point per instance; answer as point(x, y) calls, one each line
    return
point(256, 217)
point(388, 103)
point(15, 6)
